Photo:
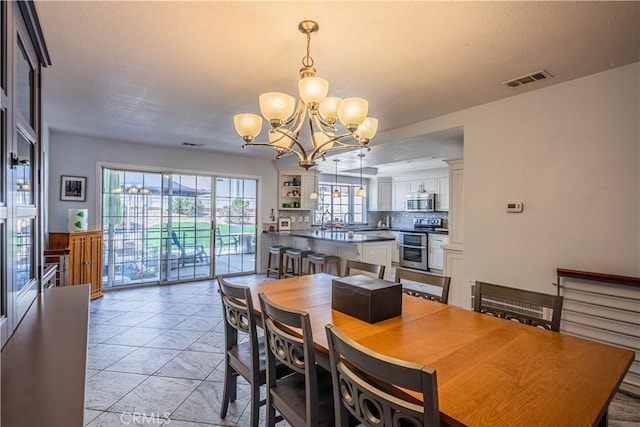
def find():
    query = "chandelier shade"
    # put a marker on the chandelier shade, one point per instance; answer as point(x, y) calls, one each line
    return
point(367, 129)
point(313, 90)
point(334, 123)
point(277, 106)
point(352, 112)
point(248, 125)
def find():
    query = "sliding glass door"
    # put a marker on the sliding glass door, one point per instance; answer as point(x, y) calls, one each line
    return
point(235, 233)
point(159, 227)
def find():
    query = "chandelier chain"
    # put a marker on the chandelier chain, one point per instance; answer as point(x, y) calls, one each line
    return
point(307, 60)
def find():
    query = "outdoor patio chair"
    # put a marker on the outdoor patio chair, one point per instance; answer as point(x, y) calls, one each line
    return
point(226, 240)
point(190, 251)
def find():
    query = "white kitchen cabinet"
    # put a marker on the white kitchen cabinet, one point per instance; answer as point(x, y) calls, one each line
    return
point(379, 194)
point(435, 251)
point(308, 187)
point(377, 253)
point(442, 194)
point(424, 185)
point(399, 195)
point(395, 247)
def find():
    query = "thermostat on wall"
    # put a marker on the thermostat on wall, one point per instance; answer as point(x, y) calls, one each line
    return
point(515, 207)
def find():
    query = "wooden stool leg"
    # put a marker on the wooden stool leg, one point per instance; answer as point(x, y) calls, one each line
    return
point(269, 264)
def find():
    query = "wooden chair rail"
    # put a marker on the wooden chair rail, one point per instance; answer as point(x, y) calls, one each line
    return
point(599, 277)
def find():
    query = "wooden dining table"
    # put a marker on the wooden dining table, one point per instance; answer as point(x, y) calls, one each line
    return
point(491, 372)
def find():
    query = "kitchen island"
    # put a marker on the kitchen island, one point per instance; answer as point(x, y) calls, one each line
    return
point(359, 246)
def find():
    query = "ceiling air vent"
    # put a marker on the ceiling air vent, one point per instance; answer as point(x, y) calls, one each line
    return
point(191, 144)
point(529, 78)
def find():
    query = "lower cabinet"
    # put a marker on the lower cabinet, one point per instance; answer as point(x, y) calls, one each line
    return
point(377, 253)
point(436, 254)
point(85, 257)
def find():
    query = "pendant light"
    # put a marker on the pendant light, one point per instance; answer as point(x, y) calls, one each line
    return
point(314, 194)
point(361, 191)
point(336, 193)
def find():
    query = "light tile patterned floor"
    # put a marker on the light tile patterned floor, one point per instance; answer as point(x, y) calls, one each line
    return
point(156, 358)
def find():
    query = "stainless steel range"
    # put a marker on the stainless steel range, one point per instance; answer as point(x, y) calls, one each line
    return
point(413, 244)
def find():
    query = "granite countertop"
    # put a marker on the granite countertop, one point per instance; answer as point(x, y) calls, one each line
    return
point(334, 235)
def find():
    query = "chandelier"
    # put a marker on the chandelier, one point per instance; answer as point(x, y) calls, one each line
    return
point(322, 113)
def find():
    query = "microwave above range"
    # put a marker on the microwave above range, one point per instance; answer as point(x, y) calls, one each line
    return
point(421, 202)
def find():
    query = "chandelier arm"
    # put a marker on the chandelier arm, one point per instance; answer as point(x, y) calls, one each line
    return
point(296, 117)
point(323, 126)
point(303, 153)
point(340, 146)
point(301, 156)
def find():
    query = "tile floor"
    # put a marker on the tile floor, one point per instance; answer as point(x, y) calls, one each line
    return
point(155, 358)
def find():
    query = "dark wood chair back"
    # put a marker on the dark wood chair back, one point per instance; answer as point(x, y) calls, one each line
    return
point(433, 280)
point(364, 266)
point(301, 398)
point(520, 305)
point(241, 358)
point(362, 375)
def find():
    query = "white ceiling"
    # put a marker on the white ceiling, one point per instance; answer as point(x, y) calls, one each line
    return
point(171, 72)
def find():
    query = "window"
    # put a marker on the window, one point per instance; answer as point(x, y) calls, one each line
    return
point(336, 209)
point(25, 84)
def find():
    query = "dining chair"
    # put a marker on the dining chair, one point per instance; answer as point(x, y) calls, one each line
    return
point(432, 282)
point(365, 386)
point(528, 307)
point(365, 267)
point(242, 357)
point(303, 398)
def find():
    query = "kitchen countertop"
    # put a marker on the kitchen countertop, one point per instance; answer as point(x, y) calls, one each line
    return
point(335, 235)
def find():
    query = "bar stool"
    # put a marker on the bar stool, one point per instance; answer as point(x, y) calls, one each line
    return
point(278, 251)
point(294, 258)
point(323, 261)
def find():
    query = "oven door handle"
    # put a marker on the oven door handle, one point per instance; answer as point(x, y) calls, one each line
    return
point(413, 247)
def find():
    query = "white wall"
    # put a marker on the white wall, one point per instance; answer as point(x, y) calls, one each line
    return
point(79, 155)
point(571, 153)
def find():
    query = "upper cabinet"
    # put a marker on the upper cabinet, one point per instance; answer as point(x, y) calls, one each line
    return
point(442, 194)
point(438, 184)
point(380, 191)
point(294, 188)
point(399, 195)
point(426, 185)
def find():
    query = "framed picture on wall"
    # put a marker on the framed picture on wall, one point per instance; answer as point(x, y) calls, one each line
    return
point(73, 188)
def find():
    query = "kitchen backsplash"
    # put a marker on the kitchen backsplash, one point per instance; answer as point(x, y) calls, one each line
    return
point(301, 220)
point(404, 219)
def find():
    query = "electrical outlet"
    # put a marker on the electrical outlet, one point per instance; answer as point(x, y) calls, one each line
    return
point(515, 207)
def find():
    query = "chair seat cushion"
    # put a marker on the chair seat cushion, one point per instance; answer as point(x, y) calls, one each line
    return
point(290, 392)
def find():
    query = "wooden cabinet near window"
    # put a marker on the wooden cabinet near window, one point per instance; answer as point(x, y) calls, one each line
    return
point(85, 257)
